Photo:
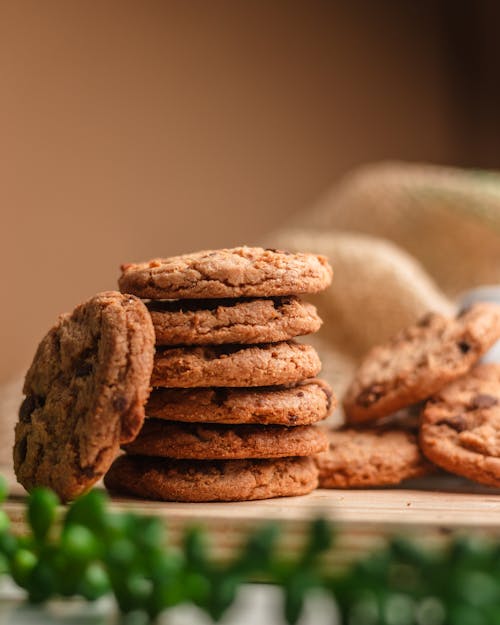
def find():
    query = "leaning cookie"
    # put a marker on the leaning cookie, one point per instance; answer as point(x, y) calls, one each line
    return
point(460, 428)
point(222, 480)
point(237, 272)
point(370, 457)
point(419, 361)
point(214, 322)
point(301, 404)
point(287, 362)
point(209, 441)
point(85, 393)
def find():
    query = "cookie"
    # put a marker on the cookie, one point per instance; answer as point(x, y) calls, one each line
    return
point(218, 480)
point(213, 322)
point(212, 441)
point(85, 393)
point(460, 429)
point(305, 403)
point(270, 364)
point(419, 361)
point(370, 457)
point(237, 272)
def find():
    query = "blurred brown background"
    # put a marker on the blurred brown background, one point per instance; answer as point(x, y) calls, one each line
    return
point(135, 129)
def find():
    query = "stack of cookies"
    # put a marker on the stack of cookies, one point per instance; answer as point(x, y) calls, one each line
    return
point(421, 400)
point(234, 402)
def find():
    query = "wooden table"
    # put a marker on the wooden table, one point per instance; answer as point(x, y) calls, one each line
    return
point(429, 511)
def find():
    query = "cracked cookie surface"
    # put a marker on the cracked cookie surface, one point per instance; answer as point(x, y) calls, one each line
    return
point(419, 361)
point(222, 480)
point(209, 441)
point(84, 394)
point(460, 429)
point(237, 272)
point(302, 404)
point(287, 362)
point(370, 457)
point(213, 322)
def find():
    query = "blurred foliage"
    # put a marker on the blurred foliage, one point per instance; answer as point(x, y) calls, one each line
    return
point(87, 550)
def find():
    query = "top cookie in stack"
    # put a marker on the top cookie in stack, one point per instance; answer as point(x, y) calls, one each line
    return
point(234, 398)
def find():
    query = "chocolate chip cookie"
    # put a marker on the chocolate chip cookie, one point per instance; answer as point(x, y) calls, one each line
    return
point(287, 362)
point(460, 428)
point(222, 480)
point(237, 272)
point(213, 441)
point(303, 404)
point(213, 322)
point(84, 394)
point(419, 361)
point(370, 457)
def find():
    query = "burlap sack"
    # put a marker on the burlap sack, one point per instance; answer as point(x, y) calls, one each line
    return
point(403, 239)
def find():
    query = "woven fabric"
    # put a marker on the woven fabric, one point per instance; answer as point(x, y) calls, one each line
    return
point(403, 239)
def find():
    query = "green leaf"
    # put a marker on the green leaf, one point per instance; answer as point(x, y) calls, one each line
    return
point(41, 512)
point(3, 489)
point(4, 522)
point(88, 510)
point(196, 548)
point(94, 583)
point(42, 584)
point(79, 544)
point(22, 565)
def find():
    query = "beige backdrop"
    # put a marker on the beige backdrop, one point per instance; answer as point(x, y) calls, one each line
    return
point(135, 129)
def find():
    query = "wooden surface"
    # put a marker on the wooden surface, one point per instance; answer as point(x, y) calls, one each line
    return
point(429, 511)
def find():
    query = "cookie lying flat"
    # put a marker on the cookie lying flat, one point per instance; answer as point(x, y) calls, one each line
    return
point(287, 362)
point(460, 428)
point(213, 322)
point(237, 272)
point(305, 403)
point(370, 457)
point(223, 480)
point(419, 361)
point(196, 441)
point(85, 393)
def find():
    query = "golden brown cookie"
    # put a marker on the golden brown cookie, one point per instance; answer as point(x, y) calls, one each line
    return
point(85, 393)
point(287, 362)
point(213, 322)
point(238, 272)
point(460, 428)
point(303, 404)
point(370, 457)
point(212, 441)
point(222, 480)
point(419, 361)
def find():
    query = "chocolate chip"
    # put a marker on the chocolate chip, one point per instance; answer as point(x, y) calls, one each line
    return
point(83, 369)
point(370, 395)
point(457, 423)
point(483, 400)
point(22, 449)
point(279, 302)
point(83, 366)
point(463, 346)
point(426, 320)
point(120, 403)
point(300, 394)
point(30, 404)
point(220, 396)
point(89, 472)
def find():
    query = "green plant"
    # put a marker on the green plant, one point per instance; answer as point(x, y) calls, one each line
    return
point(90, 551)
